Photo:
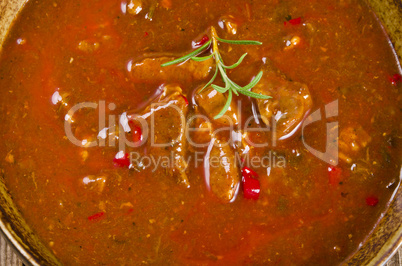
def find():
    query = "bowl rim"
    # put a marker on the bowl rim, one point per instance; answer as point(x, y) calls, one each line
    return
point(8, 234)
point(382, 256)
point(386, 253)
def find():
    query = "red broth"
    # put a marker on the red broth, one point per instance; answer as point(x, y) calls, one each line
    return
point(90, 207)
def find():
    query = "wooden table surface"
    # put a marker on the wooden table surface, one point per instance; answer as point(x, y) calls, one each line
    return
point(9, 258)
point(397, 259)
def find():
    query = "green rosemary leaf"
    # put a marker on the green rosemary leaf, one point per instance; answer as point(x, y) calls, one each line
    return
point(242, 42)
point(188, 56)
point(254, 95)
point(246, 89)
point(220, 62)
point(219, 88)
point(230, 86)
point(220, 57)
point(210, 82)
point(225, 78)
point(253, 82)
point(226, 107)
point(227, 85)
point(235, 92)
point(237, 63)
point(203, 58)
point(223, 73)
point(235, 85)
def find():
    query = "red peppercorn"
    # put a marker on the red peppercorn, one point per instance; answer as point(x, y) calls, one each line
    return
point(372, 201)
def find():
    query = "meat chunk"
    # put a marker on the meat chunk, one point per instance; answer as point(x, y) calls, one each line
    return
point(220, 166)
point(211, 103)
point(351, 141)
point(200, 134)
point(229, 24)
point(221, 171)
point(134, 7)
point(166, 120)
point(290, 103)
point(150, 70)
point(95, 183)
point(145, 8)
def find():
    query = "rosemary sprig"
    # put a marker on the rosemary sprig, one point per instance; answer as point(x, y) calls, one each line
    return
point(190, 55)
point(230, 86)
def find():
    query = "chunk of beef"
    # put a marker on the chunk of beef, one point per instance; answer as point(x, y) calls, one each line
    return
point(351, 141)
point(166, 120)
point(95, 183)
point(145, 8)
point(221, 171)
point(290, 103)
point(211, 102)
point(150, 70)
point(229, 24)
point(134, 7)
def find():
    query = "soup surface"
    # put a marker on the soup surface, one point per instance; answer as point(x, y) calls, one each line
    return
point(115, 160)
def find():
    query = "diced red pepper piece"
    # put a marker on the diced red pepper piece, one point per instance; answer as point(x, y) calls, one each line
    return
point(251, 188)
point(136, 131)
point(251, 185)
point(203, 40)
point(247, 172)
point(146, 34)
point(295, 21)
point(334, 175)
point(122, 162)
point(395, 79)
point(372, 201)
point(96, 217)
point(185, 99)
